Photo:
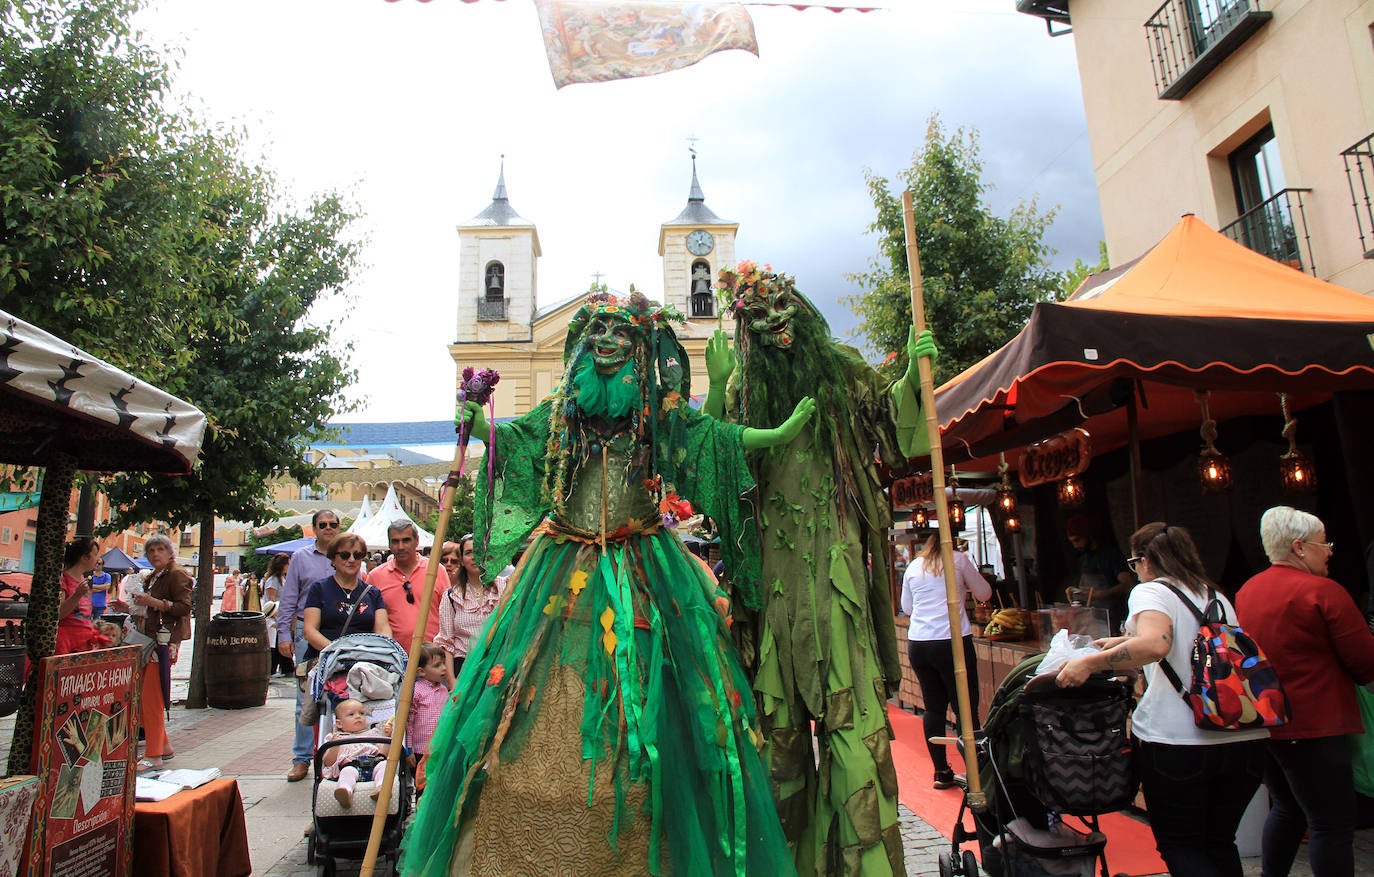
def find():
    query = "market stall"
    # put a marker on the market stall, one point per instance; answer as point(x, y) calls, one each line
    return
point(1199, 346)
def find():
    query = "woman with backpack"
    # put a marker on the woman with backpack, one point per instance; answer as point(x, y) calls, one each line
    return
point(1197, 782)
point(1317, 640)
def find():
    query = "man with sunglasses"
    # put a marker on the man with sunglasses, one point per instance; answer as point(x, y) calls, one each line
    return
point(308, 564)
point(401, 579)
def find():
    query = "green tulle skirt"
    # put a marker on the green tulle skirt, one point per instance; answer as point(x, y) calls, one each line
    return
point(619, 660)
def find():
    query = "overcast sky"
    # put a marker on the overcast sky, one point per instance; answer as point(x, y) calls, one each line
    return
point(407, 107)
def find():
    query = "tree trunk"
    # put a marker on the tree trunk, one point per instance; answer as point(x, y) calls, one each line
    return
point(200, 608)
point(40, 627)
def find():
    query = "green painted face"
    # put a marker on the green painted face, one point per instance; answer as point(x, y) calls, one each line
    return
point(769, 318)
point(612, 343)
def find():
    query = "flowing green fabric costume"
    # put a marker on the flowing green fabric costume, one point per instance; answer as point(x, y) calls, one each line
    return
point(602, 722)
point(824, 657)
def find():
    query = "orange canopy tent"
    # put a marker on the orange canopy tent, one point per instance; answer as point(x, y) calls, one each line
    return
point(1196, 312)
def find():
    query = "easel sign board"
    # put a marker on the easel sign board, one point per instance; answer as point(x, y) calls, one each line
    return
point(85, 743)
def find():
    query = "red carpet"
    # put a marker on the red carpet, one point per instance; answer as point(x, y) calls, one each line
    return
point(1130, 846)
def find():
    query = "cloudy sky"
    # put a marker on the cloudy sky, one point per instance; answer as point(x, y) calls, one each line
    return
point(407, 107)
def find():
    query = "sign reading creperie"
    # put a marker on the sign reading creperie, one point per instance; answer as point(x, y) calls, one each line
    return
point(1056, 458)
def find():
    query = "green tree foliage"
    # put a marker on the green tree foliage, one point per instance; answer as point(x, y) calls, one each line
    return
point(257, 563)
point(144, 236)
point(982, 273)
point(1074, 277)
point(460, 519)
point(100, 229)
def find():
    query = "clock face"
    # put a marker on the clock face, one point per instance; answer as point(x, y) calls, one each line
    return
point(700, 242)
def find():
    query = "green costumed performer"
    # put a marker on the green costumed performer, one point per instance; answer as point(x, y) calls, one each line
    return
point(602, 723)
point(821, 647)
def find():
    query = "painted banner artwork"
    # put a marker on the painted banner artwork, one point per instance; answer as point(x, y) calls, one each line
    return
point(601, 40)
point(85, 736)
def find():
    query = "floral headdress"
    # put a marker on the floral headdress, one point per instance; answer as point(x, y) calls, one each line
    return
point(749, 285)
point(635, 309)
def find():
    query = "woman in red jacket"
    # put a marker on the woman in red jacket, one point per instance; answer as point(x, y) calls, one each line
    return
point(1318, 643)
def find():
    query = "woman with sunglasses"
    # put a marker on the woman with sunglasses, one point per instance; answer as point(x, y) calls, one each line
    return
point(467, 605)
point(343, 603)
point(1197, 783)
point(1319, 645)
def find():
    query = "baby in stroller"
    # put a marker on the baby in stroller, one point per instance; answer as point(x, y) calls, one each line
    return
point(351, 762)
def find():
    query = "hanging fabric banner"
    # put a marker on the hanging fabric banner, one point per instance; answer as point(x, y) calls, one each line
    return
point(602, 40)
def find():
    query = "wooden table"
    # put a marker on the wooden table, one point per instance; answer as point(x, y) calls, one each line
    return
point(194, 833)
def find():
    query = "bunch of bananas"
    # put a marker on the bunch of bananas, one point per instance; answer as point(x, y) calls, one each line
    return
point(1007, 622)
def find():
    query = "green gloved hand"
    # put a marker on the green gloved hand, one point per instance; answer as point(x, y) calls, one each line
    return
point(754, 439)
point(474, 419)
point(720, 359)
point(918, 346)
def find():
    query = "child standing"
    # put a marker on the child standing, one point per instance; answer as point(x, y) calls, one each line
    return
point(426, 705)
point(353, 762)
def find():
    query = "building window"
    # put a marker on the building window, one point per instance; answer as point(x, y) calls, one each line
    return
point(492, 303)
point(1270, 215)
point(703, 302)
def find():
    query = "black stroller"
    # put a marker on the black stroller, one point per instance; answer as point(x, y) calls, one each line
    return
point(336, 832)
point(1044, 754)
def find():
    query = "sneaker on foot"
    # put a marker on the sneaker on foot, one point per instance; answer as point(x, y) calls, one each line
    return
point(944, 779)
point(344, 797)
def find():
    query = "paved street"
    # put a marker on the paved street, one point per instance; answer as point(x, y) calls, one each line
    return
point(254, 746)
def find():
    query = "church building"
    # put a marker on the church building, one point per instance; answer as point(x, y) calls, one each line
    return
point(501, 326)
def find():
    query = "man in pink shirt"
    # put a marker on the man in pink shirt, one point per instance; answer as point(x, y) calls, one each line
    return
point(402, 581)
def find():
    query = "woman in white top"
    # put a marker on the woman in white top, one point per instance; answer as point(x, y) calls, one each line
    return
point(1197, 783)
point(929, 646)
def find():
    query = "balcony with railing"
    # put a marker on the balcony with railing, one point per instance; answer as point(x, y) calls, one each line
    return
point(703, 304)
point(1359, 173)
point(491, 310)
point(1189, 38)
point(1277, 228)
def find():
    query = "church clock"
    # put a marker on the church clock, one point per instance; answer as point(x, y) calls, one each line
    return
point(700, 242)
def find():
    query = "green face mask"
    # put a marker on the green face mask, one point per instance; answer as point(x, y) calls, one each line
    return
point(770, 319)
point(611, 342)
point(610, 397)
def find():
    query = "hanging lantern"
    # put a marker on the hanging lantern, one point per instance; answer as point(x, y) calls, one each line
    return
point(1071, 493)
point(1012, 521)
point(1295, 470)
point(1006, 498)
point(1213, 468)
point(956, 515)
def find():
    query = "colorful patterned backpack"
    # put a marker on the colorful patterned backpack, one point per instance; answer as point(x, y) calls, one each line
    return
point(1233, 688)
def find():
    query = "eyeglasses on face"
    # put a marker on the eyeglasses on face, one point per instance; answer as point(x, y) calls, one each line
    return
point(1133, 561)
point(327, 525)
point(410, 595)
point(450, 560)
point(1329, 546)
point(351, 555)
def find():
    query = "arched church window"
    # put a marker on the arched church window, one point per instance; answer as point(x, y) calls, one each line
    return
point(703, 302)
point(491, 306)
point(495, 285)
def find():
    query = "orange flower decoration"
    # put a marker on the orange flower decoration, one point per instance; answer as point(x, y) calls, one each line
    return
point(496, 675)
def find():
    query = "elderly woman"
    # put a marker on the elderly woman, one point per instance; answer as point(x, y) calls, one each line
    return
point(343, 603)
point(467, 605)
point(165, 602)
point(1197, 783)
point(1318, 643)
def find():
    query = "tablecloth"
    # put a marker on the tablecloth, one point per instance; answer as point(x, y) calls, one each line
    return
point(194, 833)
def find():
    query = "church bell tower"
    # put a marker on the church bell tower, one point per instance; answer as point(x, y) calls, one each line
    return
point(694, 247)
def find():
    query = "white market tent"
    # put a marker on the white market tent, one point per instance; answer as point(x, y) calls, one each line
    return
point(373, 527)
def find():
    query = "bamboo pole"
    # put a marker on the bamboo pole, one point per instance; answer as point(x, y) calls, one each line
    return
point(976, 799)
point(417, 639)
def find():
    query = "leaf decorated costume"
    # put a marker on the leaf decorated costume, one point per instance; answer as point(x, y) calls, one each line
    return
point(602, 722)
point(822, 648)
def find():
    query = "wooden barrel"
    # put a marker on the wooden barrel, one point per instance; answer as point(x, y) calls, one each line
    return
point(237, 660)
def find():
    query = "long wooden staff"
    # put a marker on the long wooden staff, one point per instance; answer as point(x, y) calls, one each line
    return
point(417, 639)
point(976, 799)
